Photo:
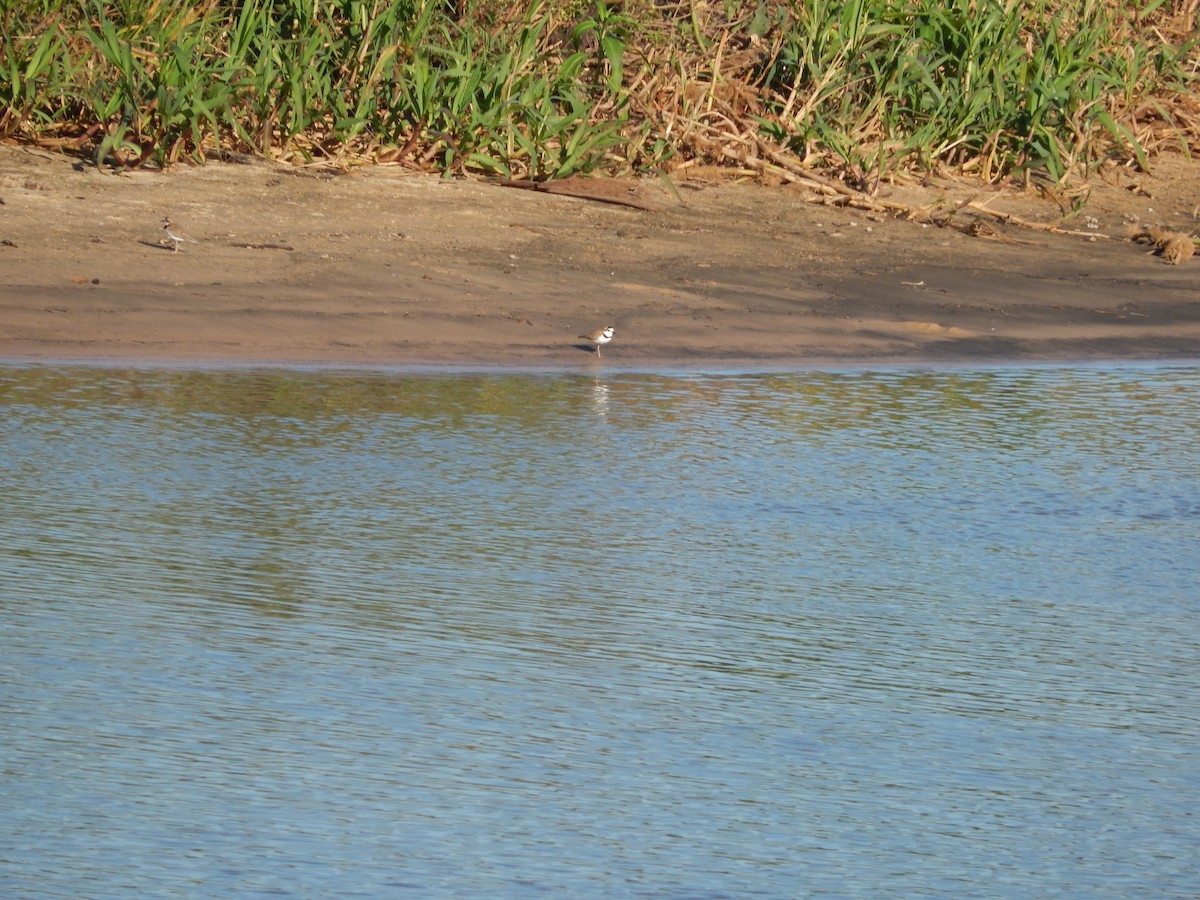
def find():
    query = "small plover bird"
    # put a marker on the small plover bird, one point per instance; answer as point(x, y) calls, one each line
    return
point(598, 337)
point(175, 239)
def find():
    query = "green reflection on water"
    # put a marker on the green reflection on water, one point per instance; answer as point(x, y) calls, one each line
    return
point(309, 395)
point(1005, 406)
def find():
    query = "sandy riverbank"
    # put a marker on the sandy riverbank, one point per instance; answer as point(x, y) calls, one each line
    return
point(382, 266)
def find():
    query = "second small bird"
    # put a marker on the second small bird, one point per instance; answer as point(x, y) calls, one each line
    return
point(175, 239)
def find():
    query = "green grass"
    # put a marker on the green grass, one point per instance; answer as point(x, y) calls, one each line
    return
point(865, 89)
point(1000, 85)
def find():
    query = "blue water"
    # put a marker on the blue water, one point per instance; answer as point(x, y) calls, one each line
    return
point(833, 633)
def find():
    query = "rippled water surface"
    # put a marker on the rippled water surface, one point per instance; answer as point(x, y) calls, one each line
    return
point(835, 633)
